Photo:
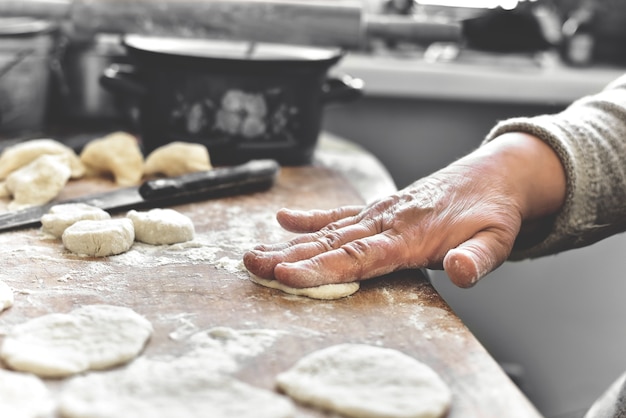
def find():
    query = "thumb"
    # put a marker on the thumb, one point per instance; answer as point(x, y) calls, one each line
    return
point(476, 257)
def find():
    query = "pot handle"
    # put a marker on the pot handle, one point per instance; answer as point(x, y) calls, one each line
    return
point(343, 88)
point(122, 79)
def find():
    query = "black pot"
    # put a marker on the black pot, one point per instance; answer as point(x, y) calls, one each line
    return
point(242, 100)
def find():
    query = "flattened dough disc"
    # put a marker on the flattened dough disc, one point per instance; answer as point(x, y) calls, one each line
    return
point(325, 292)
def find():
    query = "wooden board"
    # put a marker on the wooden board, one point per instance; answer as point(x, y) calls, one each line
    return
point(203, 285)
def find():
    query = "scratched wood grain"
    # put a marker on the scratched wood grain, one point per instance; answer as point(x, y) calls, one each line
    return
point(205, 284)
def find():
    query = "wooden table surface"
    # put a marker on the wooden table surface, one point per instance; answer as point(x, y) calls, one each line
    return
point(203, 285)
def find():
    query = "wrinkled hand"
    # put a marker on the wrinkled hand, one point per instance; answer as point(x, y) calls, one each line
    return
point(449, 219)
point(463, 218)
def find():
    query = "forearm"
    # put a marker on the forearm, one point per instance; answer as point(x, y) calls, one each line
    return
point(589, 139)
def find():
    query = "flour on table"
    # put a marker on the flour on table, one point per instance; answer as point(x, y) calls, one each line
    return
point(236, 343)
point(93, 337)
point(232, 265)
point(326, 291)
point(163, 389)
point(363, 381)
point(60, 217)
point(161, 226)
point(6, 297)
point(221, 349)
point(24, 395)
point(99, 238)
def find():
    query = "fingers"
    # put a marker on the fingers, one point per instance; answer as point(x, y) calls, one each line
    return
point(262, 261)
point(356, 260)
point(475, 258)
point(314, 220)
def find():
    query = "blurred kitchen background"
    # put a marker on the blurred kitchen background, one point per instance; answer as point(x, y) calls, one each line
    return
point(438, 75)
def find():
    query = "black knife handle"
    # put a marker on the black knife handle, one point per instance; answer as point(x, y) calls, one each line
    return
point(223, 181)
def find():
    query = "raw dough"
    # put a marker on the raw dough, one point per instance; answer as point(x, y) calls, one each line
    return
point(38, 182)
point(157, 389)
point(161, 226)
point(364, 381)
point(118, 154)
point(177, 158)
point(60, 217)
point(23, 153)
point(99, 238)
point(93, 337)
point(4, 192)
point(6, 298)
point(24, 396)
point(326, 291)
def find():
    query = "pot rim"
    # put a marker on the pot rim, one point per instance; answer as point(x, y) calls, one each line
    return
point(24, 26)
point(218, 51)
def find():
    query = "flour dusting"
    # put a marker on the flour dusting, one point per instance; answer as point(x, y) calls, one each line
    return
point(221, 349)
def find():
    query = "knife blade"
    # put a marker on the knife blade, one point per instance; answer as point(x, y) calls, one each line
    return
point(255, 175)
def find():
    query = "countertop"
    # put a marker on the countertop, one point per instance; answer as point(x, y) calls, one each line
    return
point(190, 289)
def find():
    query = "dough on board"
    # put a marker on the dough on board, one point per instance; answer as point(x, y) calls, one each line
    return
point(93, 337)
point(177, 158)
point(324, 292)
point(23, 153)
point(38, 182)
point(60, 217)
point(6, 297)
point(160, 389)
point(364, 381)
point(161, 226)
point(118, 154)
point(24, 395)
point(99, 238)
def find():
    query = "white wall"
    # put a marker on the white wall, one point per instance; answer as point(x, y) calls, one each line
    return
point(563, 318)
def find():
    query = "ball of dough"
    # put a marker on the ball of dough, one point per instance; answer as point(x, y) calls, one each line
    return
point(38, 182)
point(117, 154)
point(6, 297)
point(167, 389)
point(21, 154)
point(358, 380)
point(177, 158)
point(4, 192)
point(60, 217)
point(161, 226)
point(24, 395)
point(323, 292)
point(99, 238)
point(93, 337)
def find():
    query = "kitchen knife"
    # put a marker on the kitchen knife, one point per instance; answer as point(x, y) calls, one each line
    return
point(256, 175)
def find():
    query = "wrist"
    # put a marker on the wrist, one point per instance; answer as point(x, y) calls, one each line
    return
point(531, 170)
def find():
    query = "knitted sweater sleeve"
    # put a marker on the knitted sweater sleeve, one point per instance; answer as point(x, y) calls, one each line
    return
point(590, 139)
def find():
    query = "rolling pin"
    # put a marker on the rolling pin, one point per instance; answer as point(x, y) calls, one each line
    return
point(321, 22)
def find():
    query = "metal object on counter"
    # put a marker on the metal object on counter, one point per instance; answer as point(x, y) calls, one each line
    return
point(322, 22)
point(82, 66)
point(253, 176)
point(242, 100)
point(26, 52)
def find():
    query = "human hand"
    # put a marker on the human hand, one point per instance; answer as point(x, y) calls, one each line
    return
point(444, 220)
point(463, 218)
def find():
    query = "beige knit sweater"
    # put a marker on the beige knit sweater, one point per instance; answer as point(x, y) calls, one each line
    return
point(590, 139)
